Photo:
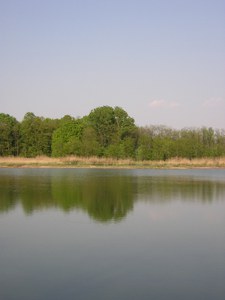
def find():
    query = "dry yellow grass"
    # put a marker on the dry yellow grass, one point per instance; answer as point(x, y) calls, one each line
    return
point(75, 161)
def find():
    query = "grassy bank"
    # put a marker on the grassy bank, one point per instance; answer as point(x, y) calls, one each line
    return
point(96, 162)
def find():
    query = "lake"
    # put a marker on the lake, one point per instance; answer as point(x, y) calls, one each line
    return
point(112, 234)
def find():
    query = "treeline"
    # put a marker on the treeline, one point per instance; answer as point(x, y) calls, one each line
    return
point(105, 132)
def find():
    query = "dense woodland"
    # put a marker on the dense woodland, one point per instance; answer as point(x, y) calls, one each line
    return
point(105, 132)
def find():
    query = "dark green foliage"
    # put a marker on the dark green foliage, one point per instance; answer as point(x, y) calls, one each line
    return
point(102, 119)
point(66, 139)
point(108, 132)
point(87, 194)
point(145, 145)
point(9, 135)
point(115, 131)
point(90, 144)
point(36, 135)
point(161, 143)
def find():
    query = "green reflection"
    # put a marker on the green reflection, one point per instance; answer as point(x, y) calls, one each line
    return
point(169, 188)
point(35, 193)
point(104, 199)
point(8, 198)
point(104, 196)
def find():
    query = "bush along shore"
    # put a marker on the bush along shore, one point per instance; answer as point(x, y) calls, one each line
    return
point(109, 135)
point(97, 162)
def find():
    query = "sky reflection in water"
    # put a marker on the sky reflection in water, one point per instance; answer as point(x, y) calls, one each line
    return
point(112, 234)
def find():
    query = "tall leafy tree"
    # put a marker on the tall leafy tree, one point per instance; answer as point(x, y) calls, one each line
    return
point(29, 135)
point(90, 145)
point(9, 135)
point(36, 135)
point(66, 138)
point(144, 145)
point(124, 123)
point(115, 130)
point(102, 119)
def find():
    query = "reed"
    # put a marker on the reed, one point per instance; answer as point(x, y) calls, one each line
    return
point(103, 162)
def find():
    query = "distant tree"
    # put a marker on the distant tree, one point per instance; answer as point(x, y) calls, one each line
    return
point(219, 142)
point(29, 134)
point(125, 126)
point(161, 142)
point(156, 143)
point(36, 135)
point(9, 135)
point(127, 133)
point(115, 131)
point(66, 138)
point(102, 119)
point(90, 144)
point(106, 131)
point(160, 148)
point(128, 147)
point(48, 126)
point(144, 149)
point(188, 145)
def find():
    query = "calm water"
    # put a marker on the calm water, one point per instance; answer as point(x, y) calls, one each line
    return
point(112, 234)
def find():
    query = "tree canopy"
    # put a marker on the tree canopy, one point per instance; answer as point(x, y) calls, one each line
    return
point(105, 131)
point(9, 135)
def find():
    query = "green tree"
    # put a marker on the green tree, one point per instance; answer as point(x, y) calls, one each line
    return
point(189, 144)
point(66, 138)
point(102, 119)
point(144, 145)
point(156, 143)
point(220, 142)
point(125, 126)
point(29, 135)
point(9, 135)
point(127, 134)
point(36, 135)
point(90, 144)
point(115, 131)
point(48, 126)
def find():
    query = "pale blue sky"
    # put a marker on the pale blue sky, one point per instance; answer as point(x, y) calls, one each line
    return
point(163, 61)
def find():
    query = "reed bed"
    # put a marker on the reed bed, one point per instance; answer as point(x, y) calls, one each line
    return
point(102, 162)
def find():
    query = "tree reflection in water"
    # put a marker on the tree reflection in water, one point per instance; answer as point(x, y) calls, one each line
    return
point(104, 195)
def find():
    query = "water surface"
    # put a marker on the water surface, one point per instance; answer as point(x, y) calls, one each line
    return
point(112, 234)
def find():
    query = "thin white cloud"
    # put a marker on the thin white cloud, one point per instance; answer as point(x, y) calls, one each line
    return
point(214, 103)
point(173, 104)
point(157, 103)
point(163, 104)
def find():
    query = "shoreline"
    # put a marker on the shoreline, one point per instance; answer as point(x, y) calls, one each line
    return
point(110, 163)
